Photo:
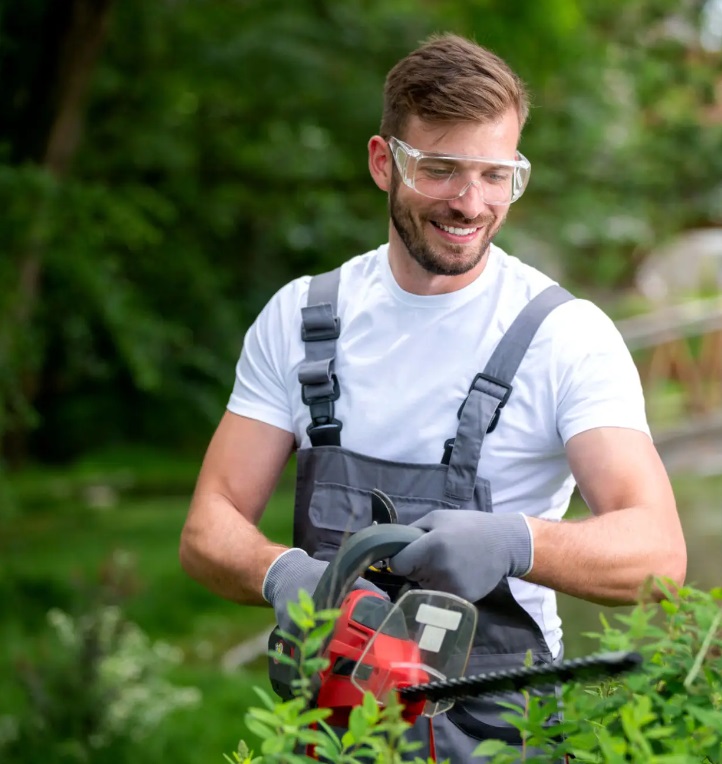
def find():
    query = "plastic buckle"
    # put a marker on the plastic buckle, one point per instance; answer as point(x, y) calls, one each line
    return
point(494, 381)
point(311, 401)
point(318, 333)
point(325, 433)
point(324, 429)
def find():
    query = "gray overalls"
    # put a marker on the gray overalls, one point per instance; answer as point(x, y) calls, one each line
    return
point(333, 496)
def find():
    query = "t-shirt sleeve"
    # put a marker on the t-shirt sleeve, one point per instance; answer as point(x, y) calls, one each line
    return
point(599, 384)
point(260, 390)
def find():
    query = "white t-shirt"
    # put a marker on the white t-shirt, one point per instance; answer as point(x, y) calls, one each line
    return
point(405, 363)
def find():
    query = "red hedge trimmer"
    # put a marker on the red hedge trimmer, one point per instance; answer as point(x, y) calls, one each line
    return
point(417, 647)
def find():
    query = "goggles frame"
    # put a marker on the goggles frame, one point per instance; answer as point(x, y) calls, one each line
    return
point(406, 158)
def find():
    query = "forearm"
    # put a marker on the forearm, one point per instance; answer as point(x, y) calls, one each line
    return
point(224, 551)
point(607, 558)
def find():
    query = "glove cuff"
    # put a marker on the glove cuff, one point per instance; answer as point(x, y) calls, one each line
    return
point(519, 542)
point(288, 564)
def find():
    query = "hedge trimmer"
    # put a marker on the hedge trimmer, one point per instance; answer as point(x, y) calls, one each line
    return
point(417, 647)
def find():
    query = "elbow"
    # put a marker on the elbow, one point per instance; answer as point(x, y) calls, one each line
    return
point(189, 554)
point(676, 563)
point(671, 573)
point(679, 575)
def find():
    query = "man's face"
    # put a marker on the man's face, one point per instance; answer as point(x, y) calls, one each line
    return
point(449, 238)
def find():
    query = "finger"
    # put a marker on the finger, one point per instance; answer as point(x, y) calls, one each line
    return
point(427, 522)
point(410, 559)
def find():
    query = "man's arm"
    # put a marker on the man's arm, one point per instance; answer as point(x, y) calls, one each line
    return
point(634, 531)
point(220, 545)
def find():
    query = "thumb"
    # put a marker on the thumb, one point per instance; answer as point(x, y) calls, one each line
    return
point(410, 559)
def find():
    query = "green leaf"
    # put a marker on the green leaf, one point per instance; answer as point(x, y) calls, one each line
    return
point(491, 748)
point(322, 631)
point(711, 718)
point(311, 665)
point(286, 660)
point(306, 602)
point(273, 744)
point(347, 739)
point(371, 708)
point(265, 699)
point(313, 716)
point(299, 616)
point(358, 724)
point(264, 716)
point(261, 730)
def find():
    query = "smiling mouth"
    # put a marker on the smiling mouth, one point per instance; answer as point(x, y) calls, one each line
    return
point(455, 230)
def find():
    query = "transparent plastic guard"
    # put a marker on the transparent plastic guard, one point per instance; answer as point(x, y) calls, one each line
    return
point(426, 636)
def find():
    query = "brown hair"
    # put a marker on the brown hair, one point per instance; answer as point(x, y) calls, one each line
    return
point(450, 79)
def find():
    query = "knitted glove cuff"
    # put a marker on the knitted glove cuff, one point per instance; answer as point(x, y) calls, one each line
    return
point(519, 543)
point(289, 564)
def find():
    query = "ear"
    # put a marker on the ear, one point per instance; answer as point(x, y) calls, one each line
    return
point(381, 164)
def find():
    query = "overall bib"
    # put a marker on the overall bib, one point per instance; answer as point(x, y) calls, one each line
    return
point(333, 498)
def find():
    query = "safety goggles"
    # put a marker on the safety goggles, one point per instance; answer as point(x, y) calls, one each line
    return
point(449, 176)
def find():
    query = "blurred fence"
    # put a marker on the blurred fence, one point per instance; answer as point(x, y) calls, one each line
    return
point(681, 346)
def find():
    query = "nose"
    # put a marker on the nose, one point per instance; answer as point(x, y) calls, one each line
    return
point(471, 202)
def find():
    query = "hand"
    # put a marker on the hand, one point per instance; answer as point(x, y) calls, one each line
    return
point(292, 571)
point(466, 552)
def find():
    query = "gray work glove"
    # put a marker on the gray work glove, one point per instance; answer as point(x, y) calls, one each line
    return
point(466, 552)
point(292, 571)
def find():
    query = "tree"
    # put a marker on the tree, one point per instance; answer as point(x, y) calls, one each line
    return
point(224, 153)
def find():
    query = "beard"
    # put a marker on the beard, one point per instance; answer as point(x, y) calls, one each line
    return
point(454, 259)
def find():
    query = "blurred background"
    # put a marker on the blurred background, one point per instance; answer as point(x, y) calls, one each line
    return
point(164, 168)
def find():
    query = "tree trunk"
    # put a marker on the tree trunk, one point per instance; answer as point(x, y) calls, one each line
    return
point(73, 32)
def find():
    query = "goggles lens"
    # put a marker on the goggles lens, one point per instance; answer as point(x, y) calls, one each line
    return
point(500, 181)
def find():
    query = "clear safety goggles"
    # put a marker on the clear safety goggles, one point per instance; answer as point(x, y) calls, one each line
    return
point(449, 176)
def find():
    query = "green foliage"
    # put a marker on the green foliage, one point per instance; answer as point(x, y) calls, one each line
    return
point(96, 689)
point(668, 713)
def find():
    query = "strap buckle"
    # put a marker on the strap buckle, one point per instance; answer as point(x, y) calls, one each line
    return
point(325, 331)
point(324, 430)
point(502, 401)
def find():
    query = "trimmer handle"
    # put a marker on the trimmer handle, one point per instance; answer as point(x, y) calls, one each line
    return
point(354, 557)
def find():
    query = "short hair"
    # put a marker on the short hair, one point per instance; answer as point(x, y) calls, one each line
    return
point(451, 79)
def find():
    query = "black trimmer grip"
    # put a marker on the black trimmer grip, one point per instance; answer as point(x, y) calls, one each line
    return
point(355, 555)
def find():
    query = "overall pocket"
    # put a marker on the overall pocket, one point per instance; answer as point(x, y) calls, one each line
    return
point(336, 511)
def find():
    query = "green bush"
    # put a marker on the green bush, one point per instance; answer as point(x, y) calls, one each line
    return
point(95, 690)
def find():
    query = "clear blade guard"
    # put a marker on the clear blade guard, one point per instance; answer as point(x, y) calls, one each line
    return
point(426, 636)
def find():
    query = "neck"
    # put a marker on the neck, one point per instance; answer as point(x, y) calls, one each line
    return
point(413, 278)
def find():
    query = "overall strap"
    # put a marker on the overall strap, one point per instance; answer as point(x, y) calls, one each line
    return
point(490, 390)
point(320, 329)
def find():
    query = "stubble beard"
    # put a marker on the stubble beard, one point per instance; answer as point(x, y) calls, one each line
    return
point(436, 262)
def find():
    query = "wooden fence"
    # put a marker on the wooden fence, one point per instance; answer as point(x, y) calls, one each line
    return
point(680, 347)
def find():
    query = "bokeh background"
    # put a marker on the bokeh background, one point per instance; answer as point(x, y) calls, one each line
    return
point(164, 168)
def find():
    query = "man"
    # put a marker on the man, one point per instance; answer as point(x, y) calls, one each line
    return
point(364, 374)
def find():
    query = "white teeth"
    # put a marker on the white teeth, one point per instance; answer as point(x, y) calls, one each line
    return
point(456, 231)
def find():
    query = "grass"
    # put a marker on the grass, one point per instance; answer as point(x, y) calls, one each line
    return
point(62, 529)
point(62, 533)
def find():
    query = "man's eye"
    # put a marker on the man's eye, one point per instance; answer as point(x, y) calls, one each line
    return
point(438, 171)
point(497, 177)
